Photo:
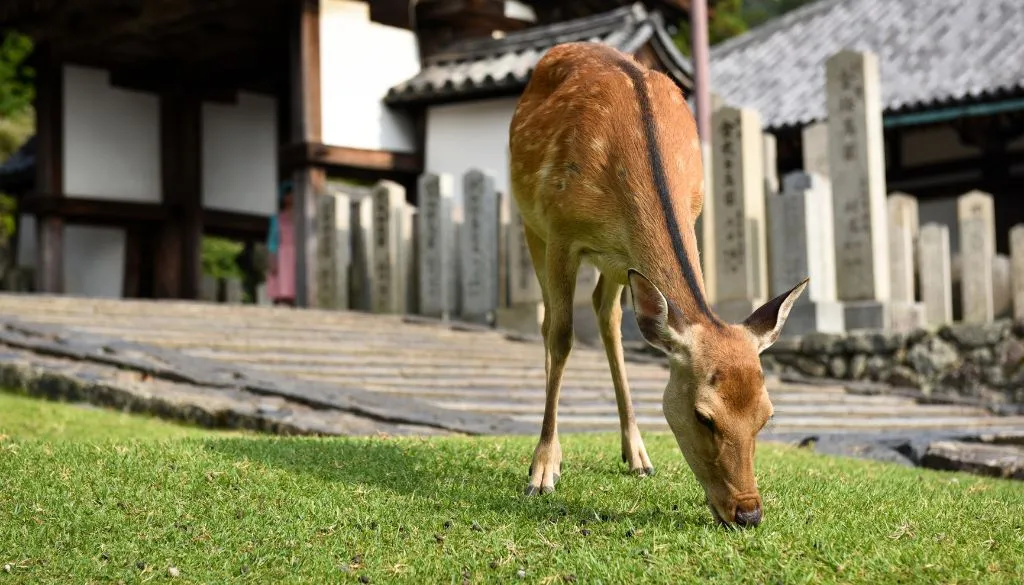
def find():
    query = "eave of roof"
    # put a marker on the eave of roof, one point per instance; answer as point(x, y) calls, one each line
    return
point(491, 67)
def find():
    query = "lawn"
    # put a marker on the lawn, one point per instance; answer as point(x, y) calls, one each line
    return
point(99, 496)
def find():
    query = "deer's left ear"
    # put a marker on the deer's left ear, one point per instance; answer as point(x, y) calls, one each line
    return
point(765, 324)
point(652, 312)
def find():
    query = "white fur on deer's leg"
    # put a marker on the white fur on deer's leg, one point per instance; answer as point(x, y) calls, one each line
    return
point(560, 287)
point(607, 306)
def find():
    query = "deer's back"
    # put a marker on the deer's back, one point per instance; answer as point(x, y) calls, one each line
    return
point(603, 150)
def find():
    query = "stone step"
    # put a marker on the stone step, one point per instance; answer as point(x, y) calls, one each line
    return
point(488, 384)
point(800, 423)
point(781, 410)
point(471, 370)
point(574, 394)
point(197, 332)
point(484, 352)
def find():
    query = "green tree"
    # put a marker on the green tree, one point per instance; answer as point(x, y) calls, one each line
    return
point(17, 89)
point(757, 12)
point(726, 22)
point(734, 17)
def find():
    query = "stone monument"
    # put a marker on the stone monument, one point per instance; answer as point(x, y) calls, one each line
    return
point(857, 169)
point(1017, 269)
point(977, 222)
point(740, 251)
point(478, 250)
point(800, 229)
point(936, 273)
point(334, 250)
point(435, 239)
point(387, 272)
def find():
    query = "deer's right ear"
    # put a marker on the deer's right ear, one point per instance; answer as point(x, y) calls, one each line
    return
point(652, 311)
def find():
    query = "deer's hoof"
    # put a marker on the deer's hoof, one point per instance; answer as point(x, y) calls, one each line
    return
point(545, 470)
point(642, 471)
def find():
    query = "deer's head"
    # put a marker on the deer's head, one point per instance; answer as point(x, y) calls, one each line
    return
point(716, 401)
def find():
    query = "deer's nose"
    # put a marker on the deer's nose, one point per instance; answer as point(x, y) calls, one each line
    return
point(748, 515)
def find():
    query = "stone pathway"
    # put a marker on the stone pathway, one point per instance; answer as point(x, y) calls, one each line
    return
point(413, 372)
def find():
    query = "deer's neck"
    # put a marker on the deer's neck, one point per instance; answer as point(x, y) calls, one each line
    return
point(670, 258)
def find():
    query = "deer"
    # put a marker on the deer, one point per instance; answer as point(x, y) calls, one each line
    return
point(605, 166)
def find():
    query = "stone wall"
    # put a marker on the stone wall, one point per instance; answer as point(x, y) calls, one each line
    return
point(983, 361)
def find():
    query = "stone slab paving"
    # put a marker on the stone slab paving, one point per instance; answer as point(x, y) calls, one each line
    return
point(411, 371)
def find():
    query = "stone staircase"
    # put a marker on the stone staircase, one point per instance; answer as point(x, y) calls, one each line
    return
point(461, 369)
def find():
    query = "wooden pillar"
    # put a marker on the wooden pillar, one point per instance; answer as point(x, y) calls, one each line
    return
point(49, 105)
point(177, 257)
point(304, 118)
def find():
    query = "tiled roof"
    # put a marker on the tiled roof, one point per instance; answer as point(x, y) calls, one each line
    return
point(930, 52)
point(488, 66)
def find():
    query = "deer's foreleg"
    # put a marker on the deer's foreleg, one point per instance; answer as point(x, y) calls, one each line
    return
point(558, 281)
point(608, 307)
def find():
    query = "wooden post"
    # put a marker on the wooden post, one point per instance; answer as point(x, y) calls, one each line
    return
point(49, 105)
point(178, 263)
point(305, 128)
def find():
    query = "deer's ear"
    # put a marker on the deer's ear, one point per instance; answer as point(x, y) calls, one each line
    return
point(766, 323)
point(652, 311)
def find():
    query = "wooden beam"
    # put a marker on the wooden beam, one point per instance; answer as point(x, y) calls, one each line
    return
point(93, 211)
point(343, 159)
point(305, 122)
point(169, 253)
point(134, 243)
point(178, 255)
point(235, 225)
point(157, 79)
point(150, 16)
point(49, 106)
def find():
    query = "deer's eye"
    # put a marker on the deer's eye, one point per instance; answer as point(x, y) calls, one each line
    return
point(705, 420)
point(713, 378)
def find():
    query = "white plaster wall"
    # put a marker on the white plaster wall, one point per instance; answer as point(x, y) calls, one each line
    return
point(94, 261)
point(111, 139)
point(470, 135)
point(27, 240)
point(240, 155)
point(360, 61)
point(93, 257)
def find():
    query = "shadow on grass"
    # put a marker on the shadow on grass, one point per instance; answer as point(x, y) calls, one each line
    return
point(490, 476)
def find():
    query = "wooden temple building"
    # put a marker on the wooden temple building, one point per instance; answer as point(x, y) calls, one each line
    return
point(159, 122)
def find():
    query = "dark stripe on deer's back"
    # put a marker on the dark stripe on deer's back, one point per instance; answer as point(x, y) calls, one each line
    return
point(661, 185)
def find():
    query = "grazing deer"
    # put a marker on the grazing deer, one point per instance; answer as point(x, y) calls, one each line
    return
point(605, 165)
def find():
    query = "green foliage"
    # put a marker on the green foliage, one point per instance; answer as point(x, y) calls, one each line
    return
point(757, 12)
point(219, 257)
point(734, 17)
point(98, 507)
point(726, 23)
point(16, 76)
point(8, 208)
point(15, 129)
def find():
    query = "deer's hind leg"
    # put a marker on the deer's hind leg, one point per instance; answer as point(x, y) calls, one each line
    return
point(556, 268)
point(607, 305)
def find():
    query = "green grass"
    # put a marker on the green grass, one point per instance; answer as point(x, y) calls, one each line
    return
point(95, 506)
point(24, 417)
